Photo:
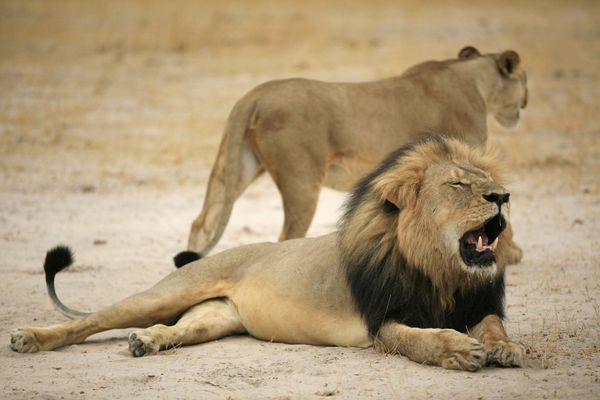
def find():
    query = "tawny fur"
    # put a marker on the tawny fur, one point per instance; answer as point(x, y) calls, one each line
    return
point(307, 133)
point(302, 291)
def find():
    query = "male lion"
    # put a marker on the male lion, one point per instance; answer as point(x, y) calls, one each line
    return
point(416, 269)
point(307, 134)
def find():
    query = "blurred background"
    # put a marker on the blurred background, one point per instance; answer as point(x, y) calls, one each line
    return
point(111, 93)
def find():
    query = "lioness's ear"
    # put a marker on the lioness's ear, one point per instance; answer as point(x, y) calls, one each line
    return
point(508, 62)
point(468, 52)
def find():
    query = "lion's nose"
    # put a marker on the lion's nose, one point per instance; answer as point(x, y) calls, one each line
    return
point(498, 198)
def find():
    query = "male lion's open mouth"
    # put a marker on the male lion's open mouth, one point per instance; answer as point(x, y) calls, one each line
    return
point(478, 246)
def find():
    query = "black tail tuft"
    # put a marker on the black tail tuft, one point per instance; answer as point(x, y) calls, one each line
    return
point(57, 259)
point(186, 257)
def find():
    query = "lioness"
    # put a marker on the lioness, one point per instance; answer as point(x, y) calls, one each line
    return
point(307, 134)
point(416, 269)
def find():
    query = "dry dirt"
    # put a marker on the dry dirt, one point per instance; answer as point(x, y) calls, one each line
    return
point(110, 117)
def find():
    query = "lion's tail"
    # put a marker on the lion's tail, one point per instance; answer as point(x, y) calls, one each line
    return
point(57, 259)
point(234, 169)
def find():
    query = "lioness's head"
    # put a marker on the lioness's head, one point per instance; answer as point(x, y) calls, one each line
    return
point(438, 206)
point(507, 91)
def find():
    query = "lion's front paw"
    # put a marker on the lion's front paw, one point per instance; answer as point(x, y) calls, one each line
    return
point(142, 345)
point(505, 354)
point(460, 351)
point(24, 341)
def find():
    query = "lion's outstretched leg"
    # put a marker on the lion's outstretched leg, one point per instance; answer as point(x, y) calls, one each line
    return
point(159, 304)
point(446, 348)
point(134, 311)
point(130, 312)
point(500, 350)
point(210, 320)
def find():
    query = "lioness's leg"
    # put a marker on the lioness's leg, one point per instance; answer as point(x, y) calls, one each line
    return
point(444, 347)
point(299, 186)
point(299, 210)
point(228, 180)
point(210, 320)
point(514, 254)
point(499, 348)
point(298, 163)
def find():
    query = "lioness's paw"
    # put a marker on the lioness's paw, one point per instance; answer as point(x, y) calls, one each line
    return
point(142, 345)
point(24, 341)
point(460, 351)
point(505, 354)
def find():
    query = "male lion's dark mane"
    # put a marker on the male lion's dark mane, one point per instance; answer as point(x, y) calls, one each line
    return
point(383, 286)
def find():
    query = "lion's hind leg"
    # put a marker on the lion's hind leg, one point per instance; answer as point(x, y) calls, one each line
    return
point(209, 320)
point(162, 303)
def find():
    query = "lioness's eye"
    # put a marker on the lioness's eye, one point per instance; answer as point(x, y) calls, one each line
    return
point(456, 184)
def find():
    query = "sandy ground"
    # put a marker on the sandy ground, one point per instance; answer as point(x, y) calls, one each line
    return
point(110, 117)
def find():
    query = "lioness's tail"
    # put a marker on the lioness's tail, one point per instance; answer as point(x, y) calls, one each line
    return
point(57, 259)
point(234, 169)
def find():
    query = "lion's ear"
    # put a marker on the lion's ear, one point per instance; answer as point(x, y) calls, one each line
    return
point(402, 190)
point(508, 62)
point(394, 199)
point(468, 52)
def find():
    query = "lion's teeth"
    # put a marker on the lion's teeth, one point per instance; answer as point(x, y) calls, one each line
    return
point(495, 244)
point(479, 244)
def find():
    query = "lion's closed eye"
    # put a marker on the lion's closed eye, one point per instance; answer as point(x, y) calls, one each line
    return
point(459, 184)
